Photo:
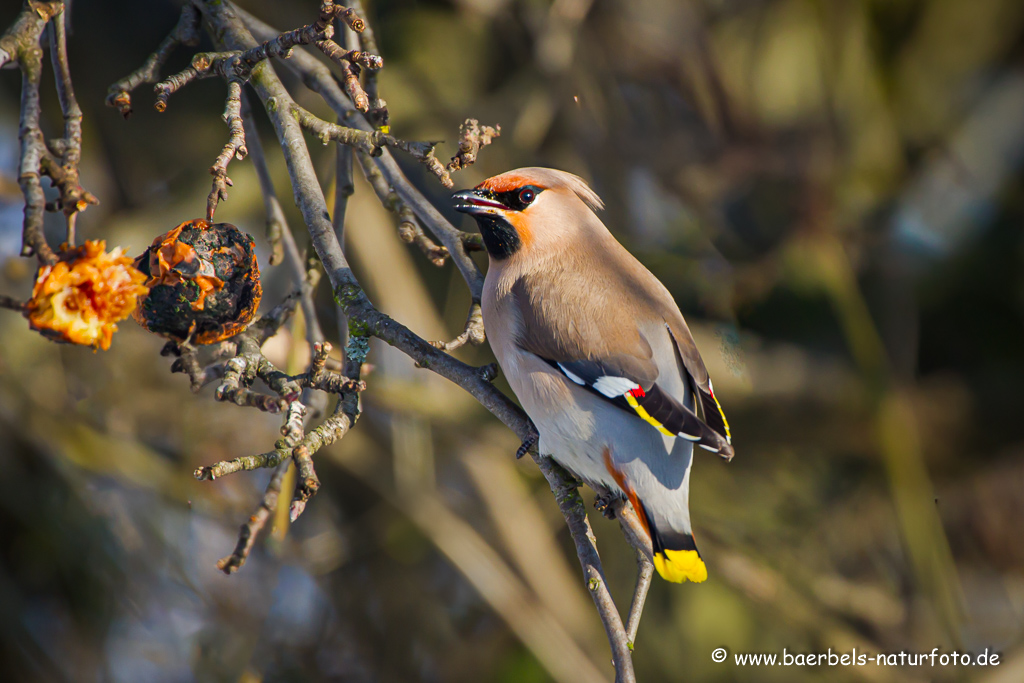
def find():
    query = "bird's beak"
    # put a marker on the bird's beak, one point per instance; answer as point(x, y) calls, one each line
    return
point(472, 202)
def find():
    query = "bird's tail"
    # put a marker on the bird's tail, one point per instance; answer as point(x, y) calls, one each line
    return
point(675, 553)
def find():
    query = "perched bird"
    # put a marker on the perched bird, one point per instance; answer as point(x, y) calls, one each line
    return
point(597, 352)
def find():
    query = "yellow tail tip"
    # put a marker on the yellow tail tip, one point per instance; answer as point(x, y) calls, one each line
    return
point(680, 565)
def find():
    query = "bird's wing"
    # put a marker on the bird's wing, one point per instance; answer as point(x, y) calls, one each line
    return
point(714, 416)
point(596, 334)
point(609, 380)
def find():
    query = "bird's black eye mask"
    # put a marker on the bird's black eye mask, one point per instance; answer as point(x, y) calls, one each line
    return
point(516, 200)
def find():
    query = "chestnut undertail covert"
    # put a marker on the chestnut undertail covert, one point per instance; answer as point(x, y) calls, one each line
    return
point(204, 283)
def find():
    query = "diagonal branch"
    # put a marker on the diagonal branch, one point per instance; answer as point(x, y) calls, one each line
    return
point(226, 26)
point(318, 78)
point(408, 227)
point(565, 488)
point(277, 224)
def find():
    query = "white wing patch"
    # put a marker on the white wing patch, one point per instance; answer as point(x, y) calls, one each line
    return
point(571, 375)
point(613, 387)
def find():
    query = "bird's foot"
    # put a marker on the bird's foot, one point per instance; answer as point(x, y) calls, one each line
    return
point(489, 372)
point(528, 443)
point(604, 503)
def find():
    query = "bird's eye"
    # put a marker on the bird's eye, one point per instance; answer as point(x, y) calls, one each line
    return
point(527, 195)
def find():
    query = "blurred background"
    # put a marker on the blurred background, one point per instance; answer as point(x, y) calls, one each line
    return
point(833, 192)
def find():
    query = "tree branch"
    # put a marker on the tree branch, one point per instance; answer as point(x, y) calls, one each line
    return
point(186, 32)
point(224, 21)
point(20, 44)
point(277, 224)
point(645, 572)
point(565, 488)
point(317, 77)
point(408, 228)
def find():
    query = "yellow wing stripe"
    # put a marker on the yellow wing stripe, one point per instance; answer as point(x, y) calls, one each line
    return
point(631, 400)
point(728, 434)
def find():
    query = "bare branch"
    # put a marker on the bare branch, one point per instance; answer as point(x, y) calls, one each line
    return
point(408, 227)
point(472, 136)
point(242, 59)
point(251, 529)
point(242, 463)
point(20, 44)
point(243, 369)
point(11, 303)
point(317, 77)
point(371, 142)
point(203, 65)
point(279, 234)
point(344, 58)
point(235, 148)
point(344, 187)
point(277, 224)
point(188, 362)
point(632, 529)
point(73, 198)
point(24, 33)
point(378, 114)
point(186, 32)
point(473, 332)
point(566, 490)
point(645, 572)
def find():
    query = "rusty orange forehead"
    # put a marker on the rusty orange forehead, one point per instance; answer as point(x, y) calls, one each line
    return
point(507, 182)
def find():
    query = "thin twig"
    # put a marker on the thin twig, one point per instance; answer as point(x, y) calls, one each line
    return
point(277, 224)
point(279, 233)
point(186, 32)
point(632, 529)
point(73, 198)
point(371, 142)
point(243, 369)
point(472, 136)
point(11, 303)
point(242, 463)
point(645, 572)
point(378, 112)
point(352, 299)
point(21, 44)
point(317, 77)
point(473, 332)
point(408, 227)
point(187, 361)
point(251, 529)
point(234, 148)
point(344, 187)
point(566, 491)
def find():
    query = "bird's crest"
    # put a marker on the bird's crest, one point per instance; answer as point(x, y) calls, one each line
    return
point(546, 178)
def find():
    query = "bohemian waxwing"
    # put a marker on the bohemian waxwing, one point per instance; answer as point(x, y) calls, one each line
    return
point(597, 352)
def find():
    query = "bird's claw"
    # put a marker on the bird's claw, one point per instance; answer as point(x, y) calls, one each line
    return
point(489, 372)
point(604, 503)
point(528, 443)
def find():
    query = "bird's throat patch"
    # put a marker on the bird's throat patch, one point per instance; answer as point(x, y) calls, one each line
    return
point(501, 239)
